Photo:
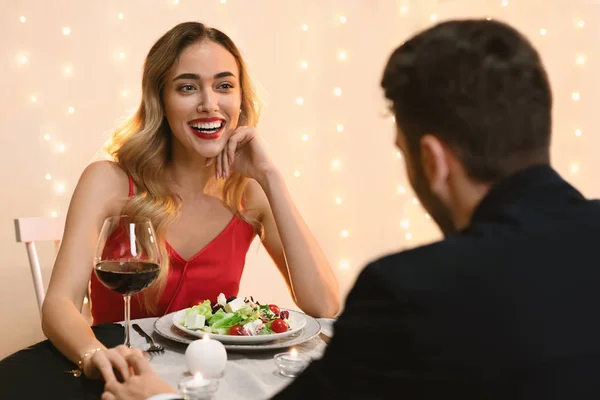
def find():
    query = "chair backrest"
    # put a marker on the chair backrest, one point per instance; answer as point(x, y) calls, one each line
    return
point(31, 230)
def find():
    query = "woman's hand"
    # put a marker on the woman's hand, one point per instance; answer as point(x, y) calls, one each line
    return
point(244, 153)
point(104, 363)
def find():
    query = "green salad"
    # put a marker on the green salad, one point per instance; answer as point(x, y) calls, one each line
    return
point(236, 317)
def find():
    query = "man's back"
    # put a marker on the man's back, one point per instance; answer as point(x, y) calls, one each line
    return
point(505, 310)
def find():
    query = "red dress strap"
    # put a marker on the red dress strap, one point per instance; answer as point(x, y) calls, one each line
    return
point(131, 186)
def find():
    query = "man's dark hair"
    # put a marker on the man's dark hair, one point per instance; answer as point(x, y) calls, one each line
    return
point(480, 87)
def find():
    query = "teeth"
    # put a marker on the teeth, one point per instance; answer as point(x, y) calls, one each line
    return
point(206, 125)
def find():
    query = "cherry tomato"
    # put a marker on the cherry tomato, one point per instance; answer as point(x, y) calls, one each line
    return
point(279, 326)
point(274, 309)
point(236, 330)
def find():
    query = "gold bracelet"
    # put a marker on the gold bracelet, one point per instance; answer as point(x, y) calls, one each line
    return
point(77, 372)
point(87, 354)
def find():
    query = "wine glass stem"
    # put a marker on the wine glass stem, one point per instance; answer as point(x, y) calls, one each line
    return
point(127, 302)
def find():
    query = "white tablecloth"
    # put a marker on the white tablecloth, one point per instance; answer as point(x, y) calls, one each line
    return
point(248, 375)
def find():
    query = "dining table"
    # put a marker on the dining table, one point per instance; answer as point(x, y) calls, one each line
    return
point(40, 371)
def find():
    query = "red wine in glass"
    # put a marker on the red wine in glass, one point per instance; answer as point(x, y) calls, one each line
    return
point(127, 258)
point(127, 277)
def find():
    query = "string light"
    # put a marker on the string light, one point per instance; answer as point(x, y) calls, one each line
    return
point(580, 60)
point(401, 189)
point(66, 30)
point(344, 264)
point(337, 91)
point(122, 55)
point(581, 23)
point(433, 17)
point(336, 164)
point(33, 99)
point(223, 1)
point(343, 19)
point(338, 200)
point(121, 16)
point(576, 96)
point(405, 224)
point(299, 101)
point(303, 64)
point(404, 9)
point(71, 110)
point(345, 233)
point(60, 188)
point(408, 236)
point(578, 132)
point(399, 155)
point(297, 173)
point(124, 93)
point(504, 3)
point(543, 31)
point(340, 128)
point(54, 214)
point(415, 201)
point(342, 55)
point(48, 177)
point(22, 19)
point(574, 168)
point(305, 138)
point(47, 137)
point(175, 2)
point(304, 27)
point(427, 216)
point(61, 148)
point(22, 59)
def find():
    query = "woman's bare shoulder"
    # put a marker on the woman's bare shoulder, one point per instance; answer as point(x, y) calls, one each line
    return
point(255, 198)
point(106, 178)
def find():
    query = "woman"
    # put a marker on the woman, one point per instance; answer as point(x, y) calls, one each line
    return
point(189, 157)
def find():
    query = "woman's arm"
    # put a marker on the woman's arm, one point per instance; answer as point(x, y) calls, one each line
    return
point(293, 247)
point(100, 192)
point(287, 239)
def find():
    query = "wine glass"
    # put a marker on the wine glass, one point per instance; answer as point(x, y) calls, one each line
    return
point(127, 258)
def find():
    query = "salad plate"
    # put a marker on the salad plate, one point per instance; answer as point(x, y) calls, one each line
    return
point(295, 320)
point(240, 320)
point(311, 328)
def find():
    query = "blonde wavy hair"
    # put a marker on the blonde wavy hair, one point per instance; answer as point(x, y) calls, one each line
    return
point(142, 145)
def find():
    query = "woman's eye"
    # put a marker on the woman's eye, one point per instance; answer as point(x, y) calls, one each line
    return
point(225, 86)
point(186, 88)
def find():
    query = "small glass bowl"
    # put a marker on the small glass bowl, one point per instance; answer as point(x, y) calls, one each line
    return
point(194, 388)
point(291, 365)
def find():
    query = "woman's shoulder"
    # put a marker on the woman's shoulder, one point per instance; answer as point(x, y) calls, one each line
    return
point(255, 199)
point(107, 175)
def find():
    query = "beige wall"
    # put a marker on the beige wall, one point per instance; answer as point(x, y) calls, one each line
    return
point(377, 217)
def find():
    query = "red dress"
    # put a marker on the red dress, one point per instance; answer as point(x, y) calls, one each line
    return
point(217, 268)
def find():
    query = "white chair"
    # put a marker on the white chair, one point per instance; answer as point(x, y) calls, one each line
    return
point(42, 229)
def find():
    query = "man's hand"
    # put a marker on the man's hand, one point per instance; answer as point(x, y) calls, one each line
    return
point(142, 384)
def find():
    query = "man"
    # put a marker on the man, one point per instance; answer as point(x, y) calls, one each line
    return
point(505, 307)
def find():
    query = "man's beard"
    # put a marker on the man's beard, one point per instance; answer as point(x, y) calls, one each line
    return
point(438, 211)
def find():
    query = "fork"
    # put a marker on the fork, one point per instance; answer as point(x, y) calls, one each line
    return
point(154, 348)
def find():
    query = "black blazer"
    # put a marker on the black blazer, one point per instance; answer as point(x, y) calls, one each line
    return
point(507, 309)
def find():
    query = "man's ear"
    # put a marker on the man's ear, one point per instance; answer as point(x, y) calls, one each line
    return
point(435, 163)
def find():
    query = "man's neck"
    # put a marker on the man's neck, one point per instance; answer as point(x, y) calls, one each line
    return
point(467, 198)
